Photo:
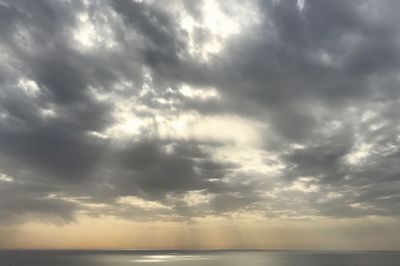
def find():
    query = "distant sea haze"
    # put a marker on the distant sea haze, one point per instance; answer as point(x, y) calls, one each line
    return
point(198, 258)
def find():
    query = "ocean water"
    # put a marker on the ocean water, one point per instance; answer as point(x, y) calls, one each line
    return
point(198, 258)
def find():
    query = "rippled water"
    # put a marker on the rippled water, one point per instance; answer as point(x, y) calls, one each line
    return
point(197, 258)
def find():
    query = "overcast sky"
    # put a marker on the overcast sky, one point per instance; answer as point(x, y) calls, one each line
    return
point(192, 113)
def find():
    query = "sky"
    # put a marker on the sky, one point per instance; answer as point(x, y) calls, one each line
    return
point(200, 124)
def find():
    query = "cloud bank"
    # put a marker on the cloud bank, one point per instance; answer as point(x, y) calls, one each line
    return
point(174, 110)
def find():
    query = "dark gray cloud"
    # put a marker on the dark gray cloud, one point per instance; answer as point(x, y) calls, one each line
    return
point(94, 117)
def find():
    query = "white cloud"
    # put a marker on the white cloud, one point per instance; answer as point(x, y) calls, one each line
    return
point(304, 184)
point(29, 87)
point(194, 198)
point(141, 203)
point(6, 178)
point(359, 153)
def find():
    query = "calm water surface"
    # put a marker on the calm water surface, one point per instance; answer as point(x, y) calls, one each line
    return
point(197, 258)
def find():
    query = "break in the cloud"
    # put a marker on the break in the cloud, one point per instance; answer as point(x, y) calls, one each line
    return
point(175, 110)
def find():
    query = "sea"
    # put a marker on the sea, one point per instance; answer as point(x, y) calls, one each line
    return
point(197, 258)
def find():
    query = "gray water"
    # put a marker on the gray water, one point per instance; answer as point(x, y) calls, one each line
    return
point(198, 258)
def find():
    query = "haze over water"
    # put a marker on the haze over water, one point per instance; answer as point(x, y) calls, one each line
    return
point(199, 258)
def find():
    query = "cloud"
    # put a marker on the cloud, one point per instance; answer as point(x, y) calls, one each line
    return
point(109, 107)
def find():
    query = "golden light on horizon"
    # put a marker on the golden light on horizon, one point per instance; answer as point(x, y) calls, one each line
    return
point(209, 233)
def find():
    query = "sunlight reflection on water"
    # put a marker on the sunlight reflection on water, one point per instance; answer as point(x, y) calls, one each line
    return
point(171, 258)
